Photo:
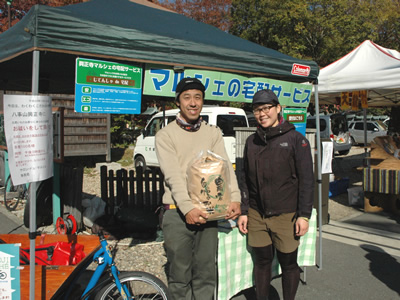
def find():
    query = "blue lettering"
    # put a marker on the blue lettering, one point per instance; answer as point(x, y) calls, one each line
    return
point(200, 77)
point(298, 92)
point(177, 77)
point(159, 83)
point(248, 89)
point(277, 89)
point(234, 88)
point(218, 83)
point(260, 86)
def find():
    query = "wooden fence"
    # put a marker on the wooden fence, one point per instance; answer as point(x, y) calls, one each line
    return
point(140, 189)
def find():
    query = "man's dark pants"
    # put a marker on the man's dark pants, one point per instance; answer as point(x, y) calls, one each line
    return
point(191, 252)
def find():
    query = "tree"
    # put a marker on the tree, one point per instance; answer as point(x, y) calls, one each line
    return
point(19, 8)
point(212, 12)
point(322, 30)
point(388, 26)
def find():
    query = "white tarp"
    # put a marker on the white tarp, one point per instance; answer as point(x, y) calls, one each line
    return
point(368, 67)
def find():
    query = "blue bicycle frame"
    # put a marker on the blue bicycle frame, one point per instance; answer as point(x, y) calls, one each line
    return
point(104, 258)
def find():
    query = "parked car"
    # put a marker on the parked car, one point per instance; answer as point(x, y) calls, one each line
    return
point(226, 118)
point(386, 122)
point(333, 126)
point(374, 129)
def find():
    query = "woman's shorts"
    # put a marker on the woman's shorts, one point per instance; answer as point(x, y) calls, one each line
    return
point(277, 230)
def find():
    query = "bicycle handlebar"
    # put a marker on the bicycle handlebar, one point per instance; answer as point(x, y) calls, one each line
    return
point(101, 235)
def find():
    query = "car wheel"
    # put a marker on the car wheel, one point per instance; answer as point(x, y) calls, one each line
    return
point(344, 152)
point(140, 162)
point(353, 141)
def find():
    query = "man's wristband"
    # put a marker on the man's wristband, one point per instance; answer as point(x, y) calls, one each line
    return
point(306, 219)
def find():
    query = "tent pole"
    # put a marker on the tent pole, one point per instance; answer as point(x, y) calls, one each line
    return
point(32, 200)
point(365, 131)
point(319, 175)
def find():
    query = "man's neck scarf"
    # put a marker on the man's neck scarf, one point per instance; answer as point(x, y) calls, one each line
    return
point(188, 126)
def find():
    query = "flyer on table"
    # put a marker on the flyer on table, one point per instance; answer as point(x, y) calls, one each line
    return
point(28, 125)
point(9, 272)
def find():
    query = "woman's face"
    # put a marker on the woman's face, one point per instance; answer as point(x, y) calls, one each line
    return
point(267, 115)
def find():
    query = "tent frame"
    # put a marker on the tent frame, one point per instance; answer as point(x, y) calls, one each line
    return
point(236, 55)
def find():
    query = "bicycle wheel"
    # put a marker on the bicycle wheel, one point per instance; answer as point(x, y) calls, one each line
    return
point(13, 194)
point(141, 286)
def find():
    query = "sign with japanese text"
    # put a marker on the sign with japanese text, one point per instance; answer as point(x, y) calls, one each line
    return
point(364, 98)
point(344, 100)
point(28, 124)
point(107, 87)
point(355, 95)
point(9, 272)
point(296, 116)
point(160, 81)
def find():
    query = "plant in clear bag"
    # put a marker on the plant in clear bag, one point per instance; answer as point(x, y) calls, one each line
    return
point(209, 184)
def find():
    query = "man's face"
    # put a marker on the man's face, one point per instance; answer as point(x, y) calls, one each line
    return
point(267, 114)
point(191, 104)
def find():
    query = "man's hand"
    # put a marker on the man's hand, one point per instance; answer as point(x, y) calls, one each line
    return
point(233, 211)
point(301, 227)
point(196, 217)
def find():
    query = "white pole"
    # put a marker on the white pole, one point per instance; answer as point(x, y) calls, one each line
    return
point(319, 175)
point(365, 131)
point(32, 194)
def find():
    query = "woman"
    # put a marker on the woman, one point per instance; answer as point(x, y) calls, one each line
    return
point(277, 186)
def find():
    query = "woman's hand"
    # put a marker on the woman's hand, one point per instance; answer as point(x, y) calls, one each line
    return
point(242, 224)
point(301, 226)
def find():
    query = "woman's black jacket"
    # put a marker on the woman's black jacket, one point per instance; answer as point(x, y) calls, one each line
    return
point(277, 175)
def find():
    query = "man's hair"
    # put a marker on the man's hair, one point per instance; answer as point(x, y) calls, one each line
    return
point(189, 84)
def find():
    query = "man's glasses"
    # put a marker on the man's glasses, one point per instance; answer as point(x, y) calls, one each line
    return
point(264, 109)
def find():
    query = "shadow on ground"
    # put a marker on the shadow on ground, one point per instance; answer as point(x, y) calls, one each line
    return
point(378, 258)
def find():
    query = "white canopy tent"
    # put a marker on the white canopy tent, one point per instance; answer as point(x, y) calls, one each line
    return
point(368, 67)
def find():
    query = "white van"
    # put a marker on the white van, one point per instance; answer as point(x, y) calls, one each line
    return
point(225, 118)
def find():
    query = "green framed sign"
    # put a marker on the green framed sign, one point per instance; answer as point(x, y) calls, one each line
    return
point(222, 86)
point(107, 87)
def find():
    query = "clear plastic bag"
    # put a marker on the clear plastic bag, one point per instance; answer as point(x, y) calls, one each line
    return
point(209, 184)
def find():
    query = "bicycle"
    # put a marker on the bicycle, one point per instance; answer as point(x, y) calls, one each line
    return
point(120, 285)
point(14, 194)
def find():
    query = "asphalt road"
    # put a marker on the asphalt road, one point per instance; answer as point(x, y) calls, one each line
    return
point(360, 260)
point(9, 223)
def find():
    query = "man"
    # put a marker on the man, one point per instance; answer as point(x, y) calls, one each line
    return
point(190, 241)
point(277, 186)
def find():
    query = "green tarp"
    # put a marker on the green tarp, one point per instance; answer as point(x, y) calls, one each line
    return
point(125, 31)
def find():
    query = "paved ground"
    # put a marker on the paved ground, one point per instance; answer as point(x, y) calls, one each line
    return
point(359, 261)
point(9, 223)
point(360, 252)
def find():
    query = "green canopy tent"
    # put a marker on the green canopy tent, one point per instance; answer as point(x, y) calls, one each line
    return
point(124, 30)
point(38, 54)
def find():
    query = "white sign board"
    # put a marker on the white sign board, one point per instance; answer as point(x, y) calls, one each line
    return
point(9, 272)
point(28, 125)
point(327, 154)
